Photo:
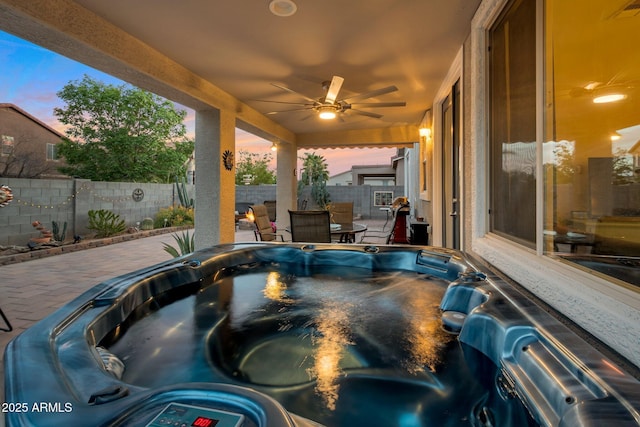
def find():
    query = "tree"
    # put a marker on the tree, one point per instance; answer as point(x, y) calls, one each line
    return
point(255, 166)
point(22, 162)
point(564, 162)
point(315, 173)
point(121, 133)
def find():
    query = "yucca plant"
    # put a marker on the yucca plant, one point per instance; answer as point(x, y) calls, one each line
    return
point(185, 242)
point(105, 223)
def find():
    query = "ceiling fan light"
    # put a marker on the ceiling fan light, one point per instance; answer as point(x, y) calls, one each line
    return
point(610, 97)
point(283, 7)
point(327, 113)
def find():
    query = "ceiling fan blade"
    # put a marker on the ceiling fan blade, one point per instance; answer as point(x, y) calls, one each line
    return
point(371, 94)
point(284, 102)
point(366, 113)
point(270, 113)
point(378, 104)
point(294, 92)
point(332, 93)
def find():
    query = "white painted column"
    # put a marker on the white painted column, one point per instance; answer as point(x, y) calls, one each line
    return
point(286, 188)
point(215, 185)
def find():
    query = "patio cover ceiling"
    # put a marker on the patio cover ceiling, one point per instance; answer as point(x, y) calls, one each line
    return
point(227, 54)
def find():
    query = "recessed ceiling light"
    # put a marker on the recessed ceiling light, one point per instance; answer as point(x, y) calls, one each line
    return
point(282, 7)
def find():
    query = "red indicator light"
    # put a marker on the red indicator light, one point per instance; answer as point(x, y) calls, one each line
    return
point(204, 422)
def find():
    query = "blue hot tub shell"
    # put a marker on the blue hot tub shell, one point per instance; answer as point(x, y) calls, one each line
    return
point(55, 374)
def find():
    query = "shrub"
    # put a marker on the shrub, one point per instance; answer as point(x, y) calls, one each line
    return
point(105, 223)
point(185, 243)
point(174, 216)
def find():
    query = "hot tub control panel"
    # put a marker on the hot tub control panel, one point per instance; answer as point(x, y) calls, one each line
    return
point(180, 415)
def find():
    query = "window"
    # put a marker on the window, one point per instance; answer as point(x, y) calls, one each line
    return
point(382, 198)
point(591, 157)
point(52, 152)
point(7, 145)
point(512, 62)
point(591, 142)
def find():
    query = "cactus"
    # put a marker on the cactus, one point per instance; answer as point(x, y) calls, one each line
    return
point(57, 235)
point(147, 224)
point(181, 188)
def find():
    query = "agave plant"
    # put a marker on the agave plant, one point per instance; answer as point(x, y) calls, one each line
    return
point(185, 243)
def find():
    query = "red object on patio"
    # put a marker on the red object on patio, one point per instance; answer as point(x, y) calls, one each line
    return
point(400, 225)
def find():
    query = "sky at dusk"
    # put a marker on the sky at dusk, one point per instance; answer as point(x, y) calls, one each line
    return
point(31, 76)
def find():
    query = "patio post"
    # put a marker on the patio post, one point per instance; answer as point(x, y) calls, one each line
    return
point(215, 177)
point(286, 187)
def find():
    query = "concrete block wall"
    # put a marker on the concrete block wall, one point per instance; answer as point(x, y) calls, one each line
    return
point(362, 197)
point(34, 200)
point(70, 201)
point(255, 194)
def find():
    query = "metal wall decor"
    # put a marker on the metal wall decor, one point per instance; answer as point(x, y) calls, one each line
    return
point(137, 194)
point(227, 159)
point(6, 195)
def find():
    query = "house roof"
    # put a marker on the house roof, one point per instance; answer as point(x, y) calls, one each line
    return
point(30, 117)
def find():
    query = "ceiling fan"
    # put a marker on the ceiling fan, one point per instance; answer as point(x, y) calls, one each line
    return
point(329, 106)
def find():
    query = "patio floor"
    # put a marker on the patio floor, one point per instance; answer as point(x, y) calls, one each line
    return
point(29, 291)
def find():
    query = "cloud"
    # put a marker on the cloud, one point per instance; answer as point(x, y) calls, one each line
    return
point(33, 75)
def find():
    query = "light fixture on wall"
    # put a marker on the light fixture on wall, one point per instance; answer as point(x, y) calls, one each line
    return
point(274, 146)
point(425, 134)
point(283, 8)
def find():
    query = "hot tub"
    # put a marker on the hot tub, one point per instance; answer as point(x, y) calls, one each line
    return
point(298, 335)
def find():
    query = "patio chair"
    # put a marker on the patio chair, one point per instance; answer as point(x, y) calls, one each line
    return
point(9, 328)
point(310, 226)
point(271, 208)
point(373, 236)
point(342, 213)
point(264, 230)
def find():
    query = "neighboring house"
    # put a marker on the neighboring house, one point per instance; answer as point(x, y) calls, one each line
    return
point(342, 178)
point(392, 174)
point(27, 145)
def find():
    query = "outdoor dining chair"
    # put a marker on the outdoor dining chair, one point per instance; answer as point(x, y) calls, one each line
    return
point(310, 226)
point(341, 212)
point(271, 208)
point(264, 230)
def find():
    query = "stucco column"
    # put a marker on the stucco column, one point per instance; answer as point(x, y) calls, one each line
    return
point(215, 184)
point(286, 187)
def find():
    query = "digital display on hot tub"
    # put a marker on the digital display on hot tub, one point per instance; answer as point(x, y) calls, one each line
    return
point(178, 414)
point(204, 422)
